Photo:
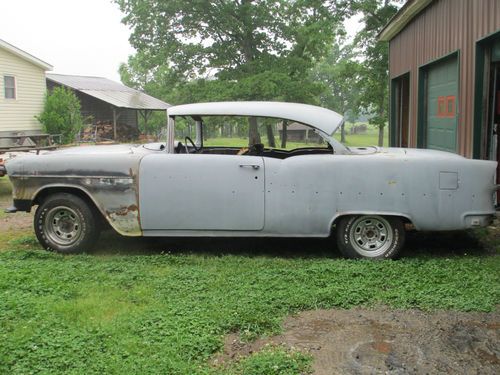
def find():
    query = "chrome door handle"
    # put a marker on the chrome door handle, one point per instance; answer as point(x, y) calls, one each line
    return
point(254, 166)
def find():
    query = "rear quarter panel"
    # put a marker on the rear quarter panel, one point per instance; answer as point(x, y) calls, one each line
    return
point(305, 194)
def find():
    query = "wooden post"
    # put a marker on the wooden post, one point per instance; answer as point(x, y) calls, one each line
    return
point(170, 134)
point(114, 123)
point(284, 134)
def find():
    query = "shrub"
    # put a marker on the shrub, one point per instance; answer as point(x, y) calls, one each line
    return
point(61, 114)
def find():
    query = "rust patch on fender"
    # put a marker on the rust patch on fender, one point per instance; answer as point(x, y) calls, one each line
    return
point(125, 220)
point(123, 211)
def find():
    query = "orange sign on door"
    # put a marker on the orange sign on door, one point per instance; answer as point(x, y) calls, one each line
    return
point(446, 106)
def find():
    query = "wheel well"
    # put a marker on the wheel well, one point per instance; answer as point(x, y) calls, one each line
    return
point(404, 219)
point(45, 193)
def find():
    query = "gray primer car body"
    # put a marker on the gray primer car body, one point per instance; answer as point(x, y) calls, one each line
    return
point(150, 190)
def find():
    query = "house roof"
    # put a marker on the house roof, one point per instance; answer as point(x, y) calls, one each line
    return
point(24, 55)
point(402, 18)
point(109, 91)
point(320, 118)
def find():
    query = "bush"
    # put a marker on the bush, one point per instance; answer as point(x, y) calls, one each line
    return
point(61, 114)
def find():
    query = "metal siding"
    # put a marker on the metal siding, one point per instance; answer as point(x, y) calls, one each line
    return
point(443, 27)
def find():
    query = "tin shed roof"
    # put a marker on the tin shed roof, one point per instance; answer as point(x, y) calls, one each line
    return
point(109, 91)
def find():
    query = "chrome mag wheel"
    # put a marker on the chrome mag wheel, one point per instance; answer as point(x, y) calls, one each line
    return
point(371, 236)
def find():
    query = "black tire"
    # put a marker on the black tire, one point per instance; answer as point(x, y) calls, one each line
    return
point(370, 236)
point(65, 223)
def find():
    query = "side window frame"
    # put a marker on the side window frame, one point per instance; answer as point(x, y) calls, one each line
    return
point(10, 87)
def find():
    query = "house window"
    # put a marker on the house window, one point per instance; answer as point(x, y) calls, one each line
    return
point(10, 87)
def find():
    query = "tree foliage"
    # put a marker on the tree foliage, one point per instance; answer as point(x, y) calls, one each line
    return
point(61, 114)
point(236, 49)
point(374, 86)
point(281, 50)
point(340, 72)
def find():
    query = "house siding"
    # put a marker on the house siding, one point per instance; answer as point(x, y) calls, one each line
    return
point(444, 27)
point(19, 115)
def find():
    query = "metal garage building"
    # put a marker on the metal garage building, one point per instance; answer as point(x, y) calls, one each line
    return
point(444, 68)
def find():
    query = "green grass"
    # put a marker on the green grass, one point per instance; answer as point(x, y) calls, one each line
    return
point(168, 312)
point(273, 361)
point(5, 187)
point(5, 194)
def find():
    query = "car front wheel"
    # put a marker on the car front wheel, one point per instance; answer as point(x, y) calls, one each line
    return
point(372, 237)
point(65, 223)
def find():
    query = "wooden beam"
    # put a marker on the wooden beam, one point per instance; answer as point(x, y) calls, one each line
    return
point(114, 123)
point(116, 117)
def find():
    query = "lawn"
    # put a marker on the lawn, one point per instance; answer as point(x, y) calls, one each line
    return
point(153, 307)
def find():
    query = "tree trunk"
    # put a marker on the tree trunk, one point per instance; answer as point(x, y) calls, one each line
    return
point(381, 126)
point(284, 134)
point(253, 131)
point(342, 133)
point(270, 136)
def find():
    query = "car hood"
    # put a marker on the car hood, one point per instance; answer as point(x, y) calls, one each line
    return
point(101, 149)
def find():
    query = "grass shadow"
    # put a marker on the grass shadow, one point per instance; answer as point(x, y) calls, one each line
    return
point(418, 244)
point(112, 243)
point(447, 244)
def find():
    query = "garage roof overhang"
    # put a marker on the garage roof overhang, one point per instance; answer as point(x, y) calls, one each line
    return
point(402, 18)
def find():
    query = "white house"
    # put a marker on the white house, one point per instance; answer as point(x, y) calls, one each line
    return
point(22, 90)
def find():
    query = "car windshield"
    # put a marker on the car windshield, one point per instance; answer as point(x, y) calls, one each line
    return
point(234, 131)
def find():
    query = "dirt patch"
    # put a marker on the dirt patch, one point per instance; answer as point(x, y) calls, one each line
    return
point(20, 221)
point(386, 341)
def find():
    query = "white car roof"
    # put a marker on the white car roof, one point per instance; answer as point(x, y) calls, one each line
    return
point(320, 118)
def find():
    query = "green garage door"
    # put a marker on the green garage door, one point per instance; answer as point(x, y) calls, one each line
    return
point(442, 105)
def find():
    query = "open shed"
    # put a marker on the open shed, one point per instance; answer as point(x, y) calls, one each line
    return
point(106, 101)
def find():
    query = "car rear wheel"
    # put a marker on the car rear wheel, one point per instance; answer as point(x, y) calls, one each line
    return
point(65, 223)
point(372, 237)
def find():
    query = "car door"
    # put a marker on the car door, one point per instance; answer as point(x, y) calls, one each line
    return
point(201, 192)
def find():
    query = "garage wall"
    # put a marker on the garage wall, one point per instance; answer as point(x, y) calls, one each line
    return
point(443, 27)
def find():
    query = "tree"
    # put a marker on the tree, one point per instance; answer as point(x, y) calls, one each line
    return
point(340, 72)
point(159, 82)
point(374, 86)
point(248, 49)
point(61, 114)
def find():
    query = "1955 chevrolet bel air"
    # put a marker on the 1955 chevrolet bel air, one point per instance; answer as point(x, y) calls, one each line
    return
point(366, 194)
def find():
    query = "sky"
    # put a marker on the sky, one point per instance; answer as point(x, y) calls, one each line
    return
point(81, 37)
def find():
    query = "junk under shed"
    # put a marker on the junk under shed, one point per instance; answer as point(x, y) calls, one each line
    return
point(111, 109)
